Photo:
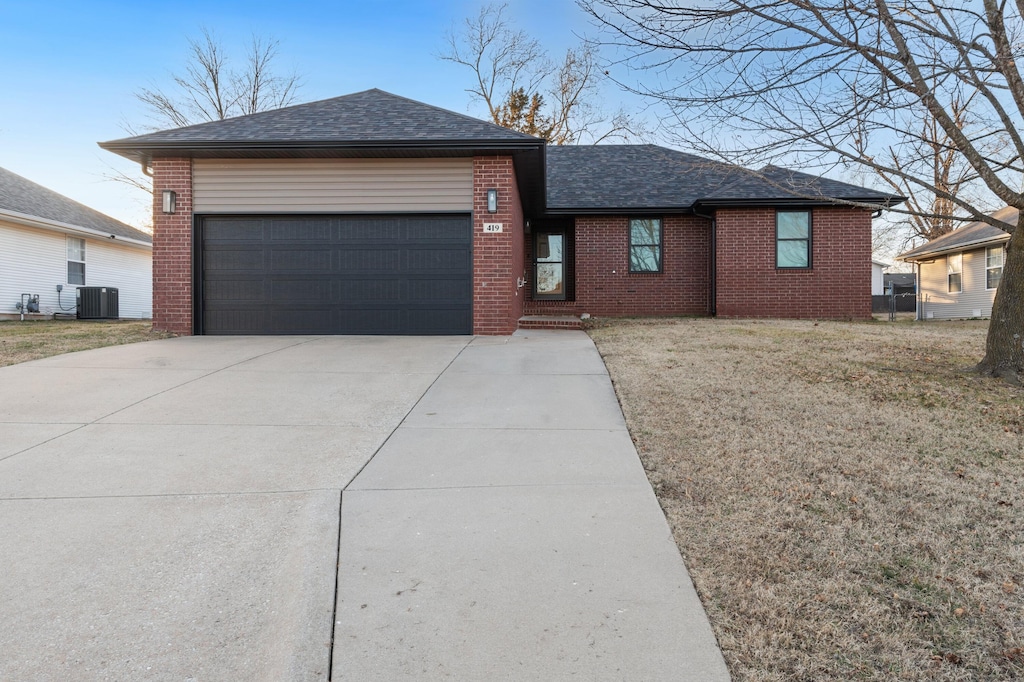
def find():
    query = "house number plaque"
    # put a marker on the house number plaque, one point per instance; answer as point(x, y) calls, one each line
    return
point(493, 228)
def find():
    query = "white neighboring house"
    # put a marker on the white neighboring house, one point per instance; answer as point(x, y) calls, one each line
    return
point(878, 278)
point(958, 273)
point(47, 240)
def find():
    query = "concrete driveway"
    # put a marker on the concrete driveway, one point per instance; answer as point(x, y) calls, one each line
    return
point(311, 508)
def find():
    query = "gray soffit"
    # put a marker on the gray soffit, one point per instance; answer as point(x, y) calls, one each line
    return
point(649, 178)
point(971, 235)
point(23, 197)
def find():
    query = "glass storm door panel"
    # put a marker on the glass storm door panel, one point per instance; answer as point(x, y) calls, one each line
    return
point(549, 265)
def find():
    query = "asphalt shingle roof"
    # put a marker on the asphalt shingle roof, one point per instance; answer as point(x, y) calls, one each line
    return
point(975, 233)
point(371, 116)
point(612, 177)
point(20, 195)
point(773, 182)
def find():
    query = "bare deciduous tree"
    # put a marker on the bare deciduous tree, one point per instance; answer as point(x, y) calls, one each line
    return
point(826, 81)
point(210, 90)
point(525, 90)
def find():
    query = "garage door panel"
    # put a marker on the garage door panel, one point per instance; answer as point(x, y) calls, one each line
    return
point(237, 260)
point(336, 275)
point(234, 290)
point(245, 229)
point(425, 290)
point(368, 260)
point(375, 291)
point(301, 260)
point(370, 230)
point(437, 229)
point(305, 290)
point(235, 321)
point(437, 260)
point(291, 230)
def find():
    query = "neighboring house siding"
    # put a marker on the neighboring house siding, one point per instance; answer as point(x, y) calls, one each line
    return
point(836, 286)
point(605, 286)
point(877, 280)
point(332, 185)
point(973, 301)
point(498, 259)
point(34, 261)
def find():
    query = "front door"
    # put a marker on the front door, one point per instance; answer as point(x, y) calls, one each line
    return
point(549, 266)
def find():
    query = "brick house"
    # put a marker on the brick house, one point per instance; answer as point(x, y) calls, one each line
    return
point(375, 214)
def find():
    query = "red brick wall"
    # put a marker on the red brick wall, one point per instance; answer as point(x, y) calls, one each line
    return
point(497, 258)
point(604, 285)
point(838, 285)
point(172, 247)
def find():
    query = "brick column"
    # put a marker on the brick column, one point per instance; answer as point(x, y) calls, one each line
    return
point(172, 247)
point(498, 258)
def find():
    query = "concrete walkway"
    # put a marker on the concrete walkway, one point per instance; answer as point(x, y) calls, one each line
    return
point(170, 510)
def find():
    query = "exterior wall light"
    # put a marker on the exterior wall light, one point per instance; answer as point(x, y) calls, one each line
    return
point(170, 201)
point(492, 201)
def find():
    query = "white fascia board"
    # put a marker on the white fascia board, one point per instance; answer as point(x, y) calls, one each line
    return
point(67, 228)
point(967, 246)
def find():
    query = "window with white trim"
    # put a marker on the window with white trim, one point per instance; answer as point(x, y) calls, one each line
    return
point(995, 256)
point(76, 260)
point(954, 273)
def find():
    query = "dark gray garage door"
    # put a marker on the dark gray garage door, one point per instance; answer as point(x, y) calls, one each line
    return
point(387, 274)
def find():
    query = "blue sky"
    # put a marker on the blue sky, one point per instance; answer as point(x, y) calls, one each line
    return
point(70, 68)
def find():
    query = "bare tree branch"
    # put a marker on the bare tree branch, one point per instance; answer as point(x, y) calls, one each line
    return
point(524, 90)
point(927, 94)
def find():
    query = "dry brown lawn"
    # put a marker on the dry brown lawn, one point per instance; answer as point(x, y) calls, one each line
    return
point(32, 340)
point(847, 496)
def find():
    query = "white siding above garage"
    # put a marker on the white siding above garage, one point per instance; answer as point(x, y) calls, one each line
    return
point(332, 185)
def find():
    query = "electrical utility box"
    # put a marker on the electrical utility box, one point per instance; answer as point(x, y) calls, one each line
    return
point(97, 303)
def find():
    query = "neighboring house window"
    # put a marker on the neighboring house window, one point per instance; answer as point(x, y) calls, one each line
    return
point(994, 257)
point(793, 239)
point(645, 245)
point(76, 261)
point(954, 273)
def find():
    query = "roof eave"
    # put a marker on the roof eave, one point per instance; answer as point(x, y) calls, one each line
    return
point(620, 210)
point(146, 152)
point(68, 228)
point(799, 201)
point(911, 257)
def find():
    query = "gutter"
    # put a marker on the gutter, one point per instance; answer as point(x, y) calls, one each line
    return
point(713, 264)
point(953, 249)
point(67, 228)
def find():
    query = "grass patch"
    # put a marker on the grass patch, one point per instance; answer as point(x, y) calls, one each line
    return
point(24, 341)
point(849, 497)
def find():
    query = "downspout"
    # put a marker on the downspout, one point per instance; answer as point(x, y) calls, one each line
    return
point(713, 265)
point(917, 291)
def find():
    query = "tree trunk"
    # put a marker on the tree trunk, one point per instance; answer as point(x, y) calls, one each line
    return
point(1004, 347)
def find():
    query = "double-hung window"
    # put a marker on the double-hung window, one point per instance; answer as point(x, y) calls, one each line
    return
point(793, 239)
point(76, 260)
point(995, 256)
point(954, 273)
point(645, 245)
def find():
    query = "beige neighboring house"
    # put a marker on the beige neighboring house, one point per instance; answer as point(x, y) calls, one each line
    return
point(959, 272)
point(48, 240)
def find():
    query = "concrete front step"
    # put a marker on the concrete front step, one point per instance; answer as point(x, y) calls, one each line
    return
point(550, 322)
